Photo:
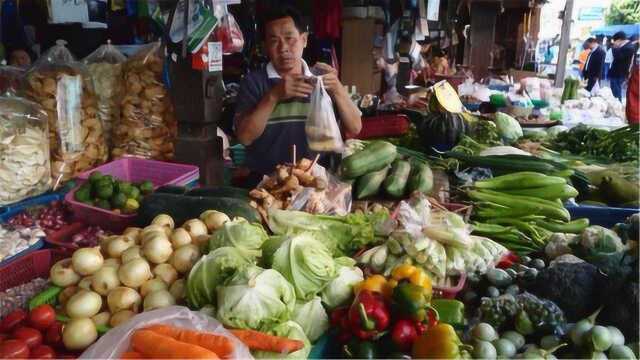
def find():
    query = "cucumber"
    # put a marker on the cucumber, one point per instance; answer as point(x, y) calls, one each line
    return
point(221, 191)
point(396, 182)
point(374, 157)
point(550, 192)
point(369, 184)
point(421, 178)
point(506, 163)
point(519, 181)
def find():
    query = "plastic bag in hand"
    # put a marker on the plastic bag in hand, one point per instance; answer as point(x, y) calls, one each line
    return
point(322, 129)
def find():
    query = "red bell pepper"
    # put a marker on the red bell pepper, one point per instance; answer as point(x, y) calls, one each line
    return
point(368, 315)
point(507, 260)
point(404, 333)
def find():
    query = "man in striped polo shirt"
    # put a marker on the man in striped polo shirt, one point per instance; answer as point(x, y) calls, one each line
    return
point(273, 103)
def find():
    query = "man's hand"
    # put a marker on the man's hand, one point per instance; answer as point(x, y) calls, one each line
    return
point(292, 86)
point(330, 78)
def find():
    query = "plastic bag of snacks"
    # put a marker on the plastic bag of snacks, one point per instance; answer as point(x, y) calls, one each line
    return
point(147, 126)
point(63, 88)
point(11, 81)
point(24, 150)
point(105, 68)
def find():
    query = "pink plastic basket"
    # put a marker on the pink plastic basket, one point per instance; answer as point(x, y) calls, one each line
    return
point(133, 170)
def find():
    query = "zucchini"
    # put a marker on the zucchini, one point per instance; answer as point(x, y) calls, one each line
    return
point(369, 184)
point(519, 181)
point(221, 191)
point(550, 192)
point(396, 183)
point(182, 208)
point(421, 178)
point(373, 157)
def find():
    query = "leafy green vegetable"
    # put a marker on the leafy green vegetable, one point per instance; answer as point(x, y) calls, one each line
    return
point(619, 145)
point(209, 272)
point(508, 127)
point(312, 318)
point(242, 235)
point(291, 330)
point(340, 290)
point(255, 298)
point(306, 263)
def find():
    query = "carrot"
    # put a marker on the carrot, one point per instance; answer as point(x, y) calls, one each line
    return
point(257, 340)
point(156, 346)
point(131, 355)
point(219, 344)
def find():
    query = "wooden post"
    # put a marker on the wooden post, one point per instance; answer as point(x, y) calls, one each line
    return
point(565, 40)
point(483, 26)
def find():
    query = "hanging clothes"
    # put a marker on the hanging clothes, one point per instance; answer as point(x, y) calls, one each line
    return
point(327, 15)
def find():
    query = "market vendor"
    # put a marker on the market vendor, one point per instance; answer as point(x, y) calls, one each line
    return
point(273, 103)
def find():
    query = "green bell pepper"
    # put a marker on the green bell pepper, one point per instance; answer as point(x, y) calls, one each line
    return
point(411, 301)
point(449, 311)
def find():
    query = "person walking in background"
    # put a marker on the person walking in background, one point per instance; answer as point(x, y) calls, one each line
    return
point(593, 66)
point(584, 54)
point(623, 52)
point(608, 59)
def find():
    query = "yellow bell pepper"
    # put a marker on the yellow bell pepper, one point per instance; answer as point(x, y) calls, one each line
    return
point(414, 275)
point(375, 283)
point(439, 342)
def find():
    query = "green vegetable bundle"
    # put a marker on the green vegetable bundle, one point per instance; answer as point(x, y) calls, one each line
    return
point(618, 145)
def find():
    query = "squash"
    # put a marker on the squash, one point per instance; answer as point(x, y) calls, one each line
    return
point(442, 131)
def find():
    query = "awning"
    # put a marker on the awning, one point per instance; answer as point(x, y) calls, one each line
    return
point(630, 30)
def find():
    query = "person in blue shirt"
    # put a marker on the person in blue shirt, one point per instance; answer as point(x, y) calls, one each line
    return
point(273, 103)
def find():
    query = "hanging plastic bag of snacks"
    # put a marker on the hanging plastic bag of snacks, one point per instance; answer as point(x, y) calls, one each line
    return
point(11, 81)
point(228, 31)
point(24, 150)
point(62, 86)
point(105, 68)
point(147, 127)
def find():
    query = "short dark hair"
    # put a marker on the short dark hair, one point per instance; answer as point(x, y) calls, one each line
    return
point(278, 12)
point(620, 35)
point(592, 40)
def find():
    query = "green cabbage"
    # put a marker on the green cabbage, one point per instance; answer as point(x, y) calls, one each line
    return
point(209, 272)
point(312, 317)
point(255, 298)
point(601, 240)
point(508, 127)
point(241, 234)
point(306, 263)
point(291, 330)
point(340, 290)
point(269, 248)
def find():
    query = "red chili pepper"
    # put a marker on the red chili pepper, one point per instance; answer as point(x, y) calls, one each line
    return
point(404, 334)
point(368, 315)
point(507, 260)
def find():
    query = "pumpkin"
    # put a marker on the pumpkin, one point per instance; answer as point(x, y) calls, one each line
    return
point(442, 130)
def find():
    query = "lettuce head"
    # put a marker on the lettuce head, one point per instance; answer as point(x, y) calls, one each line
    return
point(508, 127)
point(339, 291)
point(312, 317)
point(242, 235)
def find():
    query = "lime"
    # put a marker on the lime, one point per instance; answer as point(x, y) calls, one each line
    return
point(95, 176)
point(119, 200)
point(130, 206)
point(146, 187)
point(134, 193)
point(125, 188)
point(83, 194)
point(104, 191)
point(103, 204)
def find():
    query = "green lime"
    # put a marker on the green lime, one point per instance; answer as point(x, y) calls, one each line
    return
point(104, 191)
point(119, 200)
point(146, 187)
point(95, 176)
point(103, 204)
point(125, 188)
point(83, 194)
point(134, 193)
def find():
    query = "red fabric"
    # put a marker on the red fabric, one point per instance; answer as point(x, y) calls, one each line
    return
point(327, 15)
point(633, 96)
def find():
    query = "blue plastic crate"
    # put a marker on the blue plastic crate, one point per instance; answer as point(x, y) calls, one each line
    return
point(600, 215)
point(17, 208)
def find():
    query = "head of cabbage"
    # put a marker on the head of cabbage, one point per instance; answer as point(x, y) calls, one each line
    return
point(209, 272)
point(340, 290)
point(241, 234)
point(312, 317)
point(306, 263)
point(255, 298)
point(508, 127)
point(290, 330)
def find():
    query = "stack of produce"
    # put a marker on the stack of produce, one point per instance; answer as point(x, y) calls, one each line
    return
point(521, 210)
point(378, 166)
point(108, 193)
point(570, 91)
point(618, 145)
point(34, 335)
point(49, 219)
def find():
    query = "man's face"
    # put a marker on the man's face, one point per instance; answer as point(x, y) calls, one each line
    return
point(284, 44)
point(593, 45)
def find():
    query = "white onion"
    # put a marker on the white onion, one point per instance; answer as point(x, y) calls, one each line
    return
point(123, 298)
point(214, 219)
point(66, 294)
point(156, 227)
point(131, 253)
point(120, 317)
point(201, 240)
point(85, 283)
point(104, 242)
point(101, 318)
point(78, 334)
point(184, 258)
point(195, 228)
point(157, 250)
point(166, 272)
point(133, 233)
point(180, 237)
point(134, 273)
point(118, 245)
point(62, 274)
point(83, 304)
point(158, 299)
point(104, 280)
point(144, 239)
point(178, 289)
point(86, 261)
point(153, 285)
point(112, 263)
point(163, 220)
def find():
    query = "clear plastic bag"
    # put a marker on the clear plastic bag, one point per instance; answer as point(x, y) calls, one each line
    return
point(322, 130)
point(147, 126)
point(230, 34)
point(62, 86)
point(105, 67)
point(25, 169)
point(11, 81)
point(335, 199)
point(116, 341)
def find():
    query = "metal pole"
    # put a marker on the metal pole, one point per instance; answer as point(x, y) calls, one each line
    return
point(565, 40)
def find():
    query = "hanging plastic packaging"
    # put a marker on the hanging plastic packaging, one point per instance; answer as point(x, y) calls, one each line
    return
point(322, 130)
point(11, 81)
point(105, 68)
point(229, 33)
point(147, 126)
point(62, 86)
point(24, 150)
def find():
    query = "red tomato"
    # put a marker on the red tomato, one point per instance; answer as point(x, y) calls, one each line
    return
point(12, 320)
point(42, 317)
point(30, 336)
point(43, 352)
point(14, 349)
point(53, 336)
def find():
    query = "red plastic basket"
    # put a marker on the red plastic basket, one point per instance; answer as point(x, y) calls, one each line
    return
point(133, 170)
point(450, 292)
point(28, 267)
point(383, 126)
point(62, 237)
